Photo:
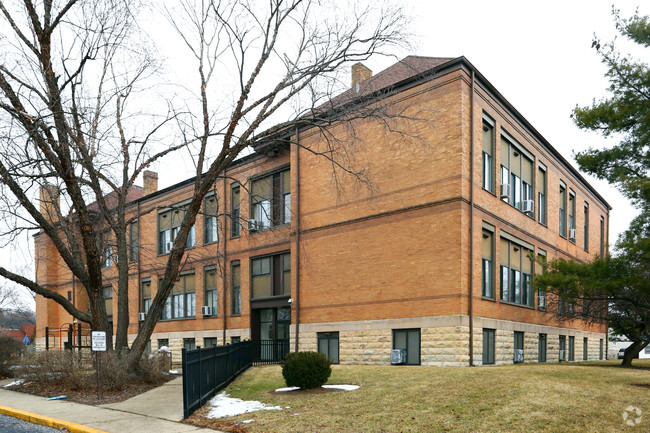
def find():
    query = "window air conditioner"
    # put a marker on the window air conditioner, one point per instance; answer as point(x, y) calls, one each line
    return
point(562, 355)
point(528, 206)
point(141, 316)
point(398, 356)
point(169, 246)
point(519, 356)
point(572, 234)
point(505, 190)
point(253, 225)
point(541, 303)
point(206, 310)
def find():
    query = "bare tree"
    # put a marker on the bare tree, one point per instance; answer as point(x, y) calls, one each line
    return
point(72, 132)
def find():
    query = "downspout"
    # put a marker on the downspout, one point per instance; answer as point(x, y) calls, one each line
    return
point(139, 282)
point(297, 241)
point(225, 262)
point(471, 223)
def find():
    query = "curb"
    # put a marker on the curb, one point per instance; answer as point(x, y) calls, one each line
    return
point(47, 421)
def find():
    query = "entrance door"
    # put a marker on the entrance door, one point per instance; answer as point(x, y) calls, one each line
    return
point(274, 332)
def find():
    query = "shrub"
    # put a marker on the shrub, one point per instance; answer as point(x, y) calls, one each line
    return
point(306, 369)
point(53, 368)
point(10, 352)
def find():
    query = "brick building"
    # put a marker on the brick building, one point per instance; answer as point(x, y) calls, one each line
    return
point(462, 193)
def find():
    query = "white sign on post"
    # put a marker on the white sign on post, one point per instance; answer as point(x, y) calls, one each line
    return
point(98, 339)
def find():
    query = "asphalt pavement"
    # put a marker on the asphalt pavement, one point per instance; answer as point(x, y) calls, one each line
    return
point(9, 424)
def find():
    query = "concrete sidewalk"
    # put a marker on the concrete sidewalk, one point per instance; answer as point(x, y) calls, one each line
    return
point(158, 410)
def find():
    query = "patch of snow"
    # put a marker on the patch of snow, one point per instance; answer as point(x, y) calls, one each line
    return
point(248, 421)
point(227, 406)
point(14, 383)
point(343, 387)
point(291, 388)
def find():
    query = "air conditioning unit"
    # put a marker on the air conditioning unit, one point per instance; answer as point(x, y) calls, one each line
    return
point(528, 206)
point(541, 301)
point(505, 190)
point(519, 356)
point(206, 310)
point(398, 356)
point(253, 225)
point(169, 246)
point(141, 316)
point(572, 234)
point(562, 355)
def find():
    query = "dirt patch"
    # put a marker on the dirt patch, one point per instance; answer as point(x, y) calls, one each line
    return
point(642, 385)
point(88, 395)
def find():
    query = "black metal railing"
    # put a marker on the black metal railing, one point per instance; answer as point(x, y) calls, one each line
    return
point(269, 351)
point(206, 371)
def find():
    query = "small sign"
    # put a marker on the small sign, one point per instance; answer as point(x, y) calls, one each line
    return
point(98, 339)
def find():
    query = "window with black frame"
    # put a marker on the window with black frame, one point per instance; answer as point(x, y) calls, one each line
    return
point(210, 214)
point(169, 224)
point(181, 302)
point(328, 345)
point(271, 201)
point(408, 340)
point(211, 295)
point(516, 272)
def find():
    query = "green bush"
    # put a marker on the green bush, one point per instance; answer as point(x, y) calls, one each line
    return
point(306, 369)
point(10, 352)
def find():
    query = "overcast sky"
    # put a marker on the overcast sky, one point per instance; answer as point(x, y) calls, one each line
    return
point(537, 54)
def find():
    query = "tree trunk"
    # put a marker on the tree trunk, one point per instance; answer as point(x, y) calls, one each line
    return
point(632, 351)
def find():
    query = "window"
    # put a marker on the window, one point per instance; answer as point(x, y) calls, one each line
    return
point(572, 341)
point(572, 216)
point(488, 152)
point(147, 349)
point(271, 275)
point(541, 348)
point(519, 347)
point(488, 264)
point(562, 346)
point(235, 217)
point(210, 341)
point(488, 346)
point(169, 224)
point(163, 342)
point(600, 354)
point(210, 213)
point(541, 194)
point(189, 343)
point(106, 250)
point(235, 288)
point(181, 303)
point(134, 241)
point(562, 210)
point(516, 272)
point(70, 295)
point(271, 200)
point(409, 340)
point(328, 345)
point(585, 349)
point(517, 171)
point(211, 298)
point(234, 340)
point(602, 236)
point(108, 300)
point(585, 228)
point(541, 294)
point(146, 295)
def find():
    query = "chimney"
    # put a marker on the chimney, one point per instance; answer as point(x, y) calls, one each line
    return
point(150, 180)
point(360, 73)
point(50, 202)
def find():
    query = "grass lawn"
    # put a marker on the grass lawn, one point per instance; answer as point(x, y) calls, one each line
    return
point(584, 397)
